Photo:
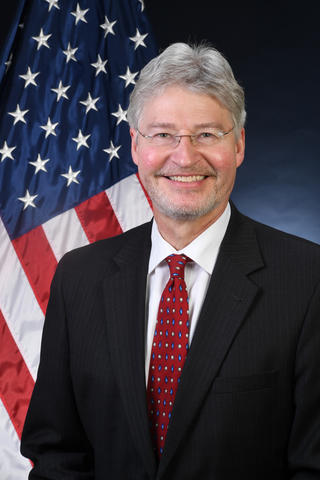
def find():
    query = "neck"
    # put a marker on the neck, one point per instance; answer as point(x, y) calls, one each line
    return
point(180, 232)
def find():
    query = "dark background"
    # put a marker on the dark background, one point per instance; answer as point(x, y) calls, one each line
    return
point(274, 49)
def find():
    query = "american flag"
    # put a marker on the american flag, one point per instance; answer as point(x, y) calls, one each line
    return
point(66, 174)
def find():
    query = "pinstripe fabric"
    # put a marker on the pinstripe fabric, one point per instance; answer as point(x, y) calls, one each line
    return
point(247, 406)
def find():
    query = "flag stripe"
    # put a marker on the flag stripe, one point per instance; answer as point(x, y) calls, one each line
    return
point(97, 218)
point(12, 465)
point(21, 312)
point(64, 232)
point(16, 383)
point(129, 203)
point(38, 261)
point(144, 190)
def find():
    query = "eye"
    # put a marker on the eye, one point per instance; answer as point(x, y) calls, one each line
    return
point(162, 135)
point(208, 135)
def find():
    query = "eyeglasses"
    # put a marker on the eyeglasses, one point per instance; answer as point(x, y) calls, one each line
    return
point(202, 139)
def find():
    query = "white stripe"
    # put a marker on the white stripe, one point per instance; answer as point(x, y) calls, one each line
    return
point(19, 305)
point(13, 466)
point(129, 203)
point(64, 232)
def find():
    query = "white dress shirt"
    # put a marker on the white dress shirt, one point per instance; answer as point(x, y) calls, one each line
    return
point(203, 250)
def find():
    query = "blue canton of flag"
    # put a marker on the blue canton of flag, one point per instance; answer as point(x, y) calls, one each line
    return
point(63, 131)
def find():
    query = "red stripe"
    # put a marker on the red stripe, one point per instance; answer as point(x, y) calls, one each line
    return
point(98, 218)
point(16, 383)
point(38, 261)
point(145, 191)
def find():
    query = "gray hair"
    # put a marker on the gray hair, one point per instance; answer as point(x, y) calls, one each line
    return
point(200, 68)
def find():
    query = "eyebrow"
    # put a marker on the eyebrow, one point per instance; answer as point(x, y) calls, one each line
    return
point(209, 125)
point(172, 126)
point(162, 125)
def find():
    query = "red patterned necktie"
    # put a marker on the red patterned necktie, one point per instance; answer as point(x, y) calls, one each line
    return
point(169, 350)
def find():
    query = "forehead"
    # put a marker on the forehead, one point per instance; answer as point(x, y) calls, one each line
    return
point(184, 109)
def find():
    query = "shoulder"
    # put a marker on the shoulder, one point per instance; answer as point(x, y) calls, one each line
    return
point(96, 256)
point(283, 248)
point(271, 237)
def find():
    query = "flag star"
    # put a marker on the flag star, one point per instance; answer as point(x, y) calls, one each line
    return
point(69, 53)
point(53, 3)
point(141, 1)
point(8, 63)
point(99, 65)
point(80, 14)
point(129, 77)
point(6, 152)
point(61, 91)
point(18, 115)
point(120, 114)
point(81, 140)
point(28, 200)
point(42, 39)
point(39, 164)
point(108, 26)
point(90, 103)
point(112, 151)
point(71, 176)
point(138, 39)
point(29, 78)
point(49, 128)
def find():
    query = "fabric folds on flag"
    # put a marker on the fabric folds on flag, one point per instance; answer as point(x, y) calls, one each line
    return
point(66, 174)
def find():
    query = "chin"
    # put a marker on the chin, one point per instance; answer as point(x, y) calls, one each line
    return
point(185, 212)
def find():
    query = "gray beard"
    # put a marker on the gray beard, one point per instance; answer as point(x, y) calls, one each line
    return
point(182, 213)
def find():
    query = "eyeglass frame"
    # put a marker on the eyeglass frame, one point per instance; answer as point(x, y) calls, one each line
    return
point(192, 136)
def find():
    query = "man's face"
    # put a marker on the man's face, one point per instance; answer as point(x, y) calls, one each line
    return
point(186, 181)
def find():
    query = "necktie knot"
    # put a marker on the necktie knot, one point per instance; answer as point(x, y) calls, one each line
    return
point(176, 265)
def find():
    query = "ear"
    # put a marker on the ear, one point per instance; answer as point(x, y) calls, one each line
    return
point(134, 139)
point(240, 147)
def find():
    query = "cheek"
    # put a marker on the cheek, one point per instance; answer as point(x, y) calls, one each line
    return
point(223, 161)
point(149, 161)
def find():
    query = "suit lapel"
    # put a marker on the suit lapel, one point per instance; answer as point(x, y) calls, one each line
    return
point(229, 298)
point(124, 292)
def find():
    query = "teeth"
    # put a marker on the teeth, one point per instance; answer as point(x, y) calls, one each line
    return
point(193, 178)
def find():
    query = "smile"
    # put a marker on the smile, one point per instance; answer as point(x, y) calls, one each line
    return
point(187, 179)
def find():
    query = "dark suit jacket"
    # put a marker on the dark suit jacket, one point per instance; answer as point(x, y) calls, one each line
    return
point(248, 404)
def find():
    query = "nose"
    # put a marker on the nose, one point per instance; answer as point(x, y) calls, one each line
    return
point(185, 154)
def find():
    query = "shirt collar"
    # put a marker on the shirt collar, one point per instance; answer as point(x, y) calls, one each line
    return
point(203, 250)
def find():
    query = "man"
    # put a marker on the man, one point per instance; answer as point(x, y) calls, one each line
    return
point(223, 387)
